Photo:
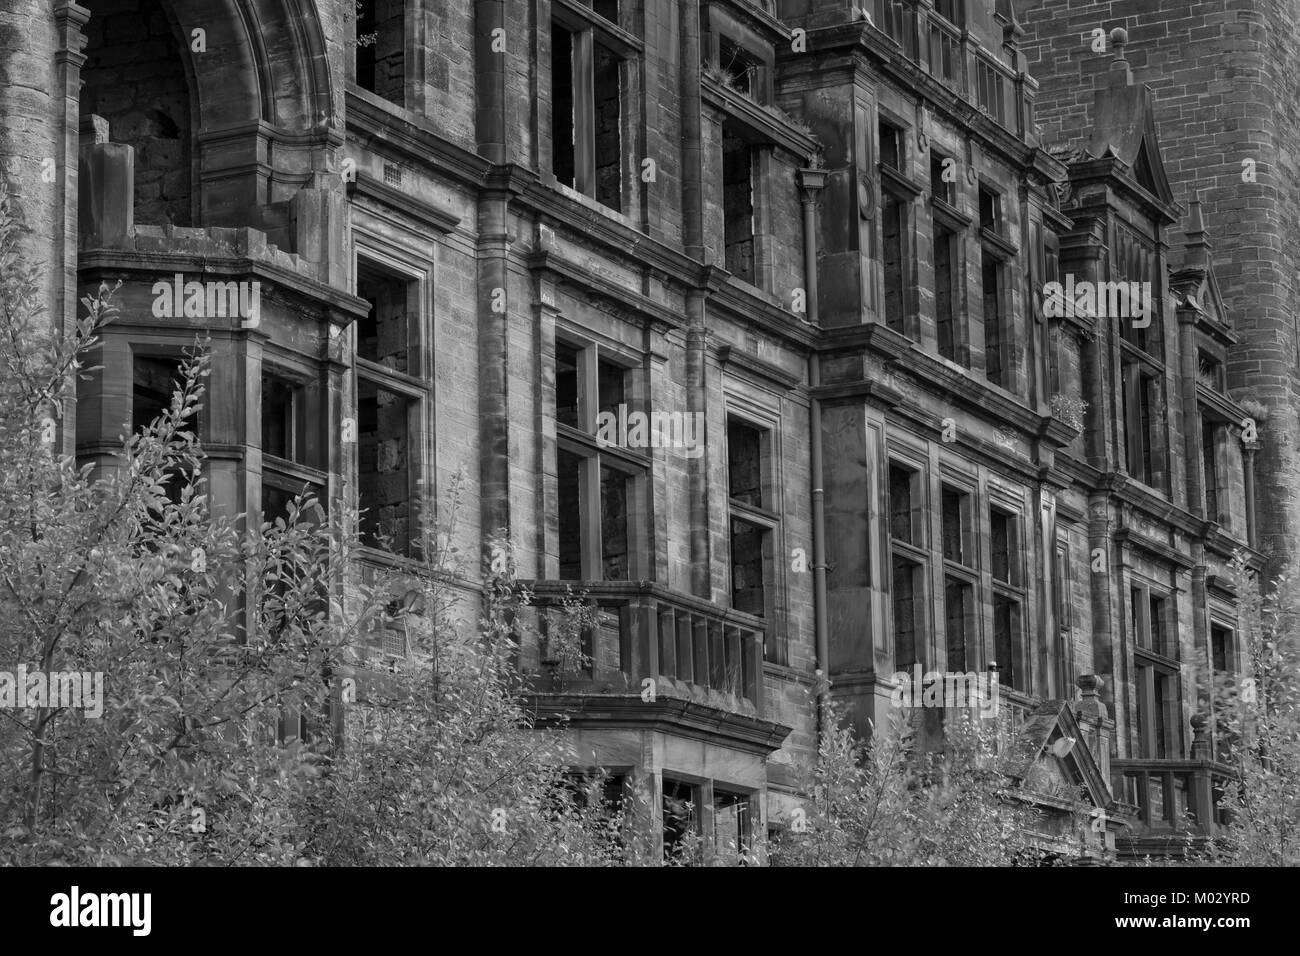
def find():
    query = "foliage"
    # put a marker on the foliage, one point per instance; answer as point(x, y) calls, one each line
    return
point(893, 802)
point(1259, 726)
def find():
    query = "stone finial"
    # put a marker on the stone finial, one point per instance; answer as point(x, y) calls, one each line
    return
point(1120, 74)
point(1090, 686)
point(1200, 737)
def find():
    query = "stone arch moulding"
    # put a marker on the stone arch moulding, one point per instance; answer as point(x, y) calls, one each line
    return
point(263, 99)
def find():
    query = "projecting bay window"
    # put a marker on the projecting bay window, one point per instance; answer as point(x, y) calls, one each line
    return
point(1156, 673)
point(909, 561)
point(391, 394)
point(960, 578)
point(601, 485)
point(1006, 561)
point(592, 61)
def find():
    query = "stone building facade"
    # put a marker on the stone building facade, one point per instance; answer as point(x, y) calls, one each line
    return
point(735, 312)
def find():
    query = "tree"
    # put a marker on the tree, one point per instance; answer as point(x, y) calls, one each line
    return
point(213, 727)
point(1259, 726)
point(891, 802)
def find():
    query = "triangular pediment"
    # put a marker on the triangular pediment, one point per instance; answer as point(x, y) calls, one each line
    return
point(1056, 758)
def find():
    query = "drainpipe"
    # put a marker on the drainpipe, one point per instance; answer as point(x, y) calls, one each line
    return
point(811, 182)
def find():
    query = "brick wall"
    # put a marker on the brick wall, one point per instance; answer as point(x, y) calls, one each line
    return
point(1226, 90)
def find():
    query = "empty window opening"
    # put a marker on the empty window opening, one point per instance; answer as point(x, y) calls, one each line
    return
point(738, 203)
point(680, 808)
point(995, 366)
point(891, 146)
point(134, 77)
point(745, 463)
point(384, 440)
point(944, 314)
point(383, 335)
point(893, 229)
point(381, 48)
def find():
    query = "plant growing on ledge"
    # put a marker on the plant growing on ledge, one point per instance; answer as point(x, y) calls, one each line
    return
point(1069, 409)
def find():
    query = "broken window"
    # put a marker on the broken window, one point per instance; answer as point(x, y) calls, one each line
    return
point(381, 48)
point(1155, 660)
point(1143, 394)
point(956, 521)
point(1008, 599)
point(291, 445)
point(893, 224)
point(587, 70)
point(996, 366)
point(959, 611)
point(753, 526)
point(600, 482)
point(389, 396)
point(738, 203)
point(990, 210)
point(941, 186)
point(680, 807)
point(954, 11)
point(732, 827)
point(891, 146)
point(1214, 435)
point(945, 317)
point(155, 380)
point(908, 563)
point(959, 577)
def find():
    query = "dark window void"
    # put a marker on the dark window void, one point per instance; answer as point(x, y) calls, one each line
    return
point(958, 611)
point(954, 11)
point(940, 188)
point(994, 338)
point(586, 115)
point(612, 384)
point(680, 808)
point(893, 228)
point(1006, 624)
point(1209, 453)
point(1002, 542)
point(907, 651)
point(748, 559)
point(384, 441)
point(738, 204)
point(955, 506)
point(614, 498)
point(155, 380)
point(944, 318)
point(901, 506)
point(279, 427)
point(134, 77)
point(607, 91)
point(891, 146)
point(383, 334)
point(990, 210)
point(563, 147)
point(741, 68)
point(381, 47)
point(1221, 649)
point(569, 476)
point(745, 463)
point(566, 385)
point(731, 827)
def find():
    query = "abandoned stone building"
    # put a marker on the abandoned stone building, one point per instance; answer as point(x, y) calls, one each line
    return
point(739, 314)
